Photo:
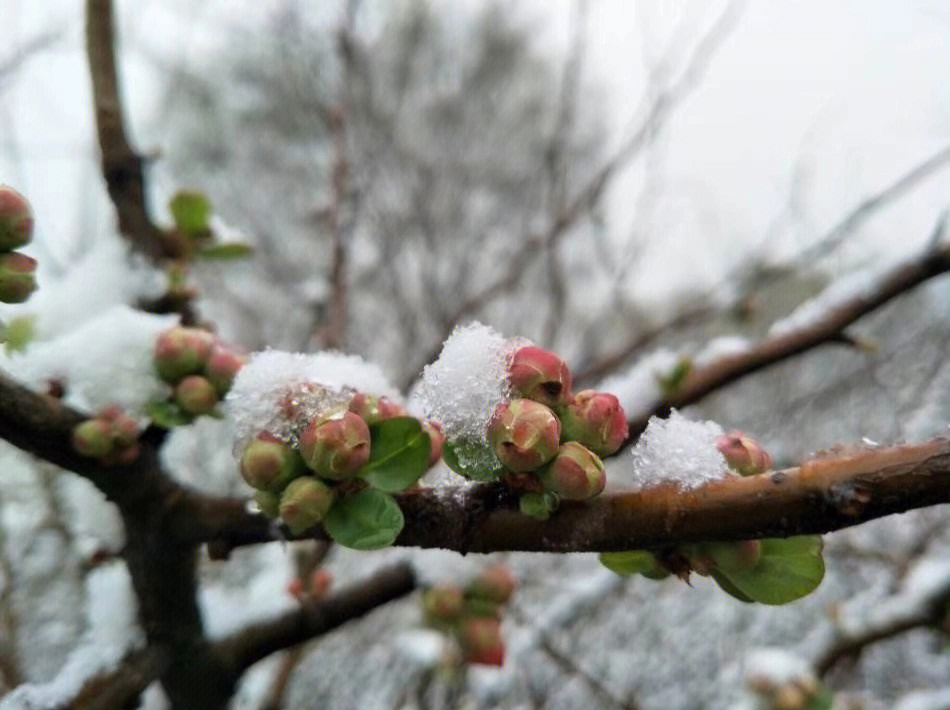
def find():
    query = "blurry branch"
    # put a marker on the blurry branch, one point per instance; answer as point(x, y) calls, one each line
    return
point(122, 167)
point(824, 494)
point(122, 686)
point(258, 641)
point(930, 611)
point(827, 327)
point(12, 62)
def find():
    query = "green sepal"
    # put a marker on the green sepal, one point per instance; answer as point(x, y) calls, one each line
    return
point(191, 211)
point(399, 454)
point(166, 413)
point(481, 464)
point(367, 520)
point(788, 569)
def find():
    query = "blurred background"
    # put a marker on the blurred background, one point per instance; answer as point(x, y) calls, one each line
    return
point(610, 179)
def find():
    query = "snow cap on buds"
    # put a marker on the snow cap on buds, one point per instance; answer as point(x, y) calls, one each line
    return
point(596, 420)
point(524, 434)
point(743, 453)
point(304, 503)
point(443, 602)
point(336, 448)
point(495, 583)
point(182, 351)
point(375, 409)
point(17, 277)
point(196, 395)
point(16, 219)
point(268, 464)
point(539, 374)
point(481, 641)
point(576, 473)
point(223, 365)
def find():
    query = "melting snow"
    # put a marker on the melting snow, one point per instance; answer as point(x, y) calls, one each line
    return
point(678, 450)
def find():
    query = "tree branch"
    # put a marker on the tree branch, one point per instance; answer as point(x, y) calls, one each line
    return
point(122, 686)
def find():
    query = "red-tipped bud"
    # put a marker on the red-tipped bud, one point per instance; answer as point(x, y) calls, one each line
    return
point(196, 395)
point(524, 434)
point(295, 588)
point(268, 502)
point(375, 409)
point(481, 641)
point(443, 602)
point(596, 420)
point(182, 351)
point(16, 219)
point(125, 430)
point(576, 473)
point(437, 438)
point(223, 365)
point(93, 438)
point(743, 453)
point(336, 448)
point(304, 503)
point(17, 277)
point(320, 582)
point(495, 583)
point(268, 464)
point(539, 374)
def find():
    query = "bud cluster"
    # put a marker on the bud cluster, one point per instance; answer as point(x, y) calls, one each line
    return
point(471, 616)
point(549, 439)
point(17, 271)
point(300, 477)
point(314, 589)
point(199, 367)
point(111, 437)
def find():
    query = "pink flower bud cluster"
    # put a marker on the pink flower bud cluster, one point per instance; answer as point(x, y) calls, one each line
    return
point(548, 439)
point(199, 367)
point(314, 589)
point(111, 437)
point(471, 615)
point(299, 478)
point(17, 271)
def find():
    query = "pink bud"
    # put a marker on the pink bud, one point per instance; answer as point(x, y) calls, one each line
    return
point(495, 583)
point(539, 374)
point(481, 641)
point(223, 365)
point(437, 438)
point(336, 448)
point(93, 438)
point(17, 277)
point(304, 503)
point(125, 430)
point(320, 582)
point(524, 434)
point(268, 464)
point(596, 420)
point(576, 473)
point(443, 602)
point(16, 219)
point(375, 409)
point(196, 395)
point(182, 351)
point(743, 453)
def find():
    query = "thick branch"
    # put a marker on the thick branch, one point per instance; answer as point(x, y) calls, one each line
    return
point(819, 496)
point(122, 686)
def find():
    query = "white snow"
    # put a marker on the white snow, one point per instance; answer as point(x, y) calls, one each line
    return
point(468, 380)
point(842, 288)
point(106, 360)
point(778, 666)
point(720, 347)
point(639, 389)
point(678, 450)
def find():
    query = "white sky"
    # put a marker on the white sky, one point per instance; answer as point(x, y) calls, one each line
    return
point(853, 93)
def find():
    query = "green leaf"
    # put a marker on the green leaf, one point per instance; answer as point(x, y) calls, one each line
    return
point(18, 332)
point(226, 250)
point(367, 520)
point(190, 210)
point(670, 381)
point(399, 454)
point(473, 460)
point(728, 587)
point(628, 562)
point(788, 569)
point(166, 413)
point(825, 700)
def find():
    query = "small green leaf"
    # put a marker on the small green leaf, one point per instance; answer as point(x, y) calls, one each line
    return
point(399, 454)
point(670, 381)
point(227, 250)
point(788, 569)
point(825, 700)
point(166, 413)
point(538, 505)
point(473, 460)
point(190, 210)
point(367, 520)
point(18, 332)
point(628, 562)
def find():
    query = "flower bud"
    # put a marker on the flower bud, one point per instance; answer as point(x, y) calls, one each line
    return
point(196, 395)
point(375, 409)
point(223, 365)
point(268, 502)
point(436, 439)
point(743, 453)
point(495, 583)
point(596, 420)
point(125, 431)
point(295, 588)
point(93, 438)
point(304, 503)
point(320, 581)
point(17, 277)
point(735, 556)
point(481, 641)
point(336, 448)
point(539, 374)
point(576, 473)
point(16, 219)
point(182, 351)
point(524, 434)
point(443, 602)
point(268, 464)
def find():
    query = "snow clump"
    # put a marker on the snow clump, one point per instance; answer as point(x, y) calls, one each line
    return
point(678, 450)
